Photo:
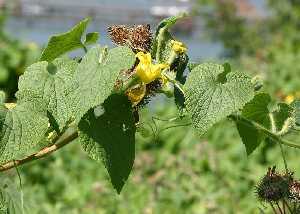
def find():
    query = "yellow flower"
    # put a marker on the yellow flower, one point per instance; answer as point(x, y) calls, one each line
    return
point(10, 105)
point(147, 71)
point(136, 93)
point(178, 47)
point(289, 99)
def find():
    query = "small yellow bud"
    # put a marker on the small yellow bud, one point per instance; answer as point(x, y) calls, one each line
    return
point(178, 47)
point(136, 94)
point(289, 99)
point(10, 105)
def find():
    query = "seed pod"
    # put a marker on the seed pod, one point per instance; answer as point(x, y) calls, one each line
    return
point(140, 38)
point(295, 191)
point(119, 34)
point(273, 186)
point(137, 37)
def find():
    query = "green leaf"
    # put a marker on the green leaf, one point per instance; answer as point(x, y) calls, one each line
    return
point(49, 84)
point(209, 101)
point(192, 65)
point(96, 76)
point(284, 118)
point(251, 137)
point(161, 45)
point(22, 128)
point(296, 107)
point(180, 66)
point(65, 42)
point(91, 38)
point(108, 134)
point(256, 110)
point(162, 50)
point(279, 121)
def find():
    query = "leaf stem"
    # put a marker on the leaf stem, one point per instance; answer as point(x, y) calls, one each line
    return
point(84, 48)
point(21, 188)
point(265, 131)
point(176, 83)
point(70, 135)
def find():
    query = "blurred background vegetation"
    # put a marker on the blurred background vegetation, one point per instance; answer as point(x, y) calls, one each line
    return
point(175, 170)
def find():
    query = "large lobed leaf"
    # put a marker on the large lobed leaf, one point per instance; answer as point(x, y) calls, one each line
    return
point(211, 95)
point(96, 76)
point(22, 128)
point(49, 84)
point(108, 134)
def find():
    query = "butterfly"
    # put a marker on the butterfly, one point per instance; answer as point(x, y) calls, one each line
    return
point(137, 37)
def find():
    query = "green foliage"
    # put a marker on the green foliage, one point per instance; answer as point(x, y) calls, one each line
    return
point(256, 110)
point(163, 52)
point(110, 137)
point(22, 128)
point(48, 84)
point(209, 100)
point(161, 45)
point(11, 198)
point(97, 95)
point(175, 172)
point(296, 106)
point(71, 40)
point(14, 58)
point(267, 45)
point(282, 115)
point(91, 38)
point(279, 121)
point(96, 76)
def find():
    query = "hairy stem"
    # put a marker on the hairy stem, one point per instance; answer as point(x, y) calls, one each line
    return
point(70, 134)
point(175, 82)
point(265, 131)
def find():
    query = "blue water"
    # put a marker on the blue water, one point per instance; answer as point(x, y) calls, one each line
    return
point(39, 31)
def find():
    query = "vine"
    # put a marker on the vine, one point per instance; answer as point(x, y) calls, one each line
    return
point(96, 99)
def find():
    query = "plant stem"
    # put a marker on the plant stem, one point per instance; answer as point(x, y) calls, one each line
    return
point(176, 83)
point(273, 208)
point(70, 135)
point(287, 205)
point(21, 188)
point(283, 206)
point(279, 208)
point(265, 131)
point(84, 48)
